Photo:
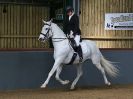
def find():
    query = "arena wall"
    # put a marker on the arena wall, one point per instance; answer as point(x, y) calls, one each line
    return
point(29, 69)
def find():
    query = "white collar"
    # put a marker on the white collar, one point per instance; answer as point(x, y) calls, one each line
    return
point(71, 16)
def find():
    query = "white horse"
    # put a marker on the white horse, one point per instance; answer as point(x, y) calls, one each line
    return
point(63, 53)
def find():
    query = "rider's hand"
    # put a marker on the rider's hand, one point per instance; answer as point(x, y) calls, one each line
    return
point(71, 34)
point(67, 36)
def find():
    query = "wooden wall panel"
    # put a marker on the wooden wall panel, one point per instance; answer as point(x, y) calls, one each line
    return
point(92, 22)
point(20, 25)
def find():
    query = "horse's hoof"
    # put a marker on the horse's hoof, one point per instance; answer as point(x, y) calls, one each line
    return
point(108, 83)
point(43, 86)
point(65, 82)
point(72, 88)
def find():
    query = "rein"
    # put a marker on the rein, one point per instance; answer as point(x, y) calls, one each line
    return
point(60, 39)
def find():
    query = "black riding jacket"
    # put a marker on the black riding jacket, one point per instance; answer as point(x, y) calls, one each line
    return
point(73, 25)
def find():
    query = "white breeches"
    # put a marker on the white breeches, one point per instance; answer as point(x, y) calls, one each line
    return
point(77, 39)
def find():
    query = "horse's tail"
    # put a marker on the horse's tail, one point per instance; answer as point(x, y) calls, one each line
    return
point(109, 67)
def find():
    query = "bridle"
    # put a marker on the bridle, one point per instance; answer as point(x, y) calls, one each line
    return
point(47, 35)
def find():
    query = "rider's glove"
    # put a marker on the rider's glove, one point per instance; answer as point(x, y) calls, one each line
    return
point(71, 34)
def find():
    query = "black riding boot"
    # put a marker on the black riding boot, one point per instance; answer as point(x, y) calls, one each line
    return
point(79, 51)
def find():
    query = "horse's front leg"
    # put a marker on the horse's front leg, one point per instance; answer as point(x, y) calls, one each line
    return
point(56, 65)
point(58, 71)
point(79, 74)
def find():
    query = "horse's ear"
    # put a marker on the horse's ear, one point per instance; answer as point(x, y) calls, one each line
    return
point(44, 21)
point(51, 20)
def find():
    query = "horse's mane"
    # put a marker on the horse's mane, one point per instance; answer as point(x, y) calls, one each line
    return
point(57, 27)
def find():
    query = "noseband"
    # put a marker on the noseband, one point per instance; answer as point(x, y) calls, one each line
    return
point(47, 34)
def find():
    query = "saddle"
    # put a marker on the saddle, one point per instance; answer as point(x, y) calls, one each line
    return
point(78, 50)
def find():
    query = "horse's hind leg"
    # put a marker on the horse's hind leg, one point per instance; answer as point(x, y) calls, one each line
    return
point(96, 61)
point(103, 73)
point(58, 71)
point(79, 74)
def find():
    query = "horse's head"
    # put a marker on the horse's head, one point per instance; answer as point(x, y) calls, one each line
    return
point(46, 32)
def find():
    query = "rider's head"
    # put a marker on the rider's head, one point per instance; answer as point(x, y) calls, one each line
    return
point(69, 10)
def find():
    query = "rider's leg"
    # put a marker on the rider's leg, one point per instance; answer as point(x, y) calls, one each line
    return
point(77, 39)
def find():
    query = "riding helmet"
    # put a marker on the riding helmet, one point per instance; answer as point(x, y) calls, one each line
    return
point(69, 8)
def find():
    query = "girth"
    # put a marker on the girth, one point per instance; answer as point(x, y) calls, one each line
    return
point(78, 50)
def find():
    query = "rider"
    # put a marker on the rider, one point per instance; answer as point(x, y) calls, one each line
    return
point(72, 30)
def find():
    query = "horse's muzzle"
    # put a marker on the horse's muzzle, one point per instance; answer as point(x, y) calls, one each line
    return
point(41, 39)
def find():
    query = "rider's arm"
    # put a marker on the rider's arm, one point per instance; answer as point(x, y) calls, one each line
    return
point(76, 24)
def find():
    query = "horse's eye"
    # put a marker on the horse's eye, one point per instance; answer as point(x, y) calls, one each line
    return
point(46, 28)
